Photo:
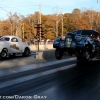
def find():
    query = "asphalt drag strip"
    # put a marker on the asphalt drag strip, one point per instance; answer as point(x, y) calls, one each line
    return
point(15, 80)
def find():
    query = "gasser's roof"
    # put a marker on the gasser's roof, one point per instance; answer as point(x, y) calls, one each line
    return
point(11, 36)
point(85, 31)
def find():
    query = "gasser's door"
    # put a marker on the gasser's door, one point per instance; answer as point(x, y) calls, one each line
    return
point(15, 46)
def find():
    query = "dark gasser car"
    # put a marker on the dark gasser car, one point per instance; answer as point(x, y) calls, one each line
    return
point(84, 44)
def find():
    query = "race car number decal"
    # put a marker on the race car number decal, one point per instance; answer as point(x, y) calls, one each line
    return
point(14, 47)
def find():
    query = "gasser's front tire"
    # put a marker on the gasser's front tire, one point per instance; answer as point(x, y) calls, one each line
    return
point(58, 54)
point(26, 52)
point(87, 56)
point(3, 54)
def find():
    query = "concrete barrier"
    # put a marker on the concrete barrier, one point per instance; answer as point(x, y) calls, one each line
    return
point(45, 54)
point(41, 47)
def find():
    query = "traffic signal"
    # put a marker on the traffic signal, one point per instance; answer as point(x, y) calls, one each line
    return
point(42, 35)
point(38, 31)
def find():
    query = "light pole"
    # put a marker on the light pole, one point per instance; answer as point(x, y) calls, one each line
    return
point(11, 28)
point(23, 30)
point(57, 28)
point(40, 22)
point(22, 27)
point(1, 28)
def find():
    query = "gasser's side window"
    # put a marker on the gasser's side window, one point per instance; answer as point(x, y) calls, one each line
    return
point(86, 33)
point(14, 40)
point(96, 35)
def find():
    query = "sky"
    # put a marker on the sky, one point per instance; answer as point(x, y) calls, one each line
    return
point(26, 7)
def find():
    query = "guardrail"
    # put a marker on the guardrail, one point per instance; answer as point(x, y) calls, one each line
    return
point(45, 54)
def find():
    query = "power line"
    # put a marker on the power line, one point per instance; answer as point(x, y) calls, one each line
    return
point(5, 10)
point(30, 6)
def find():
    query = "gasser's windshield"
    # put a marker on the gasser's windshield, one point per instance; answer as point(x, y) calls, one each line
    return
point(2, 39)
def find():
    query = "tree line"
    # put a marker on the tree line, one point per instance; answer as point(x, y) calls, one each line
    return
point(52, 24)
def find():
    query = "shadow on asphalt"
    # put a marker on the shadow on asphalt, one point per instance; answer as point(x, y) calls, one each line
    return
point(10, 58)
point(80, 82)
point(88, 63)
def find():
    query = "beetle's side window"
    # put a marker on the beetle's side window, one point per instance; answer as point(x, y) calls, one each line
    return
point(14, 40)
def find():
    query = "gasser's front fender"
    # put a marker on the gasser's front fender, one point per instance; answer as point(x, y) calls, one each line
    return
point(4, 46)
point(80, 45)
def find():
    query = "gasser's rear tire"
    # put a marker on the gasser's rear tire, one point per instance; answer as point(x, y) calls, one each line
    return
point(58, 54)
point(3, 54)
point(78, 58)
point(26, 52)
point(78, 54)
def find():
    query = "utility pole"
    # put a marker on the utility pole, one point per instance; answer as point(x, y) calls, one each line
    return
point(92, 21)
point(40, 22)
point(38, 28)
point(23, 30)
point(62, 23)
point(40, 15)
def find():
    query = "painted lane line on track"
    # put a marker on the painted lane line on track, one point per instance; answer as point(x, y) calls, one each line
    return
point(56, 70)
point(31, 77)
point(34, 66)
